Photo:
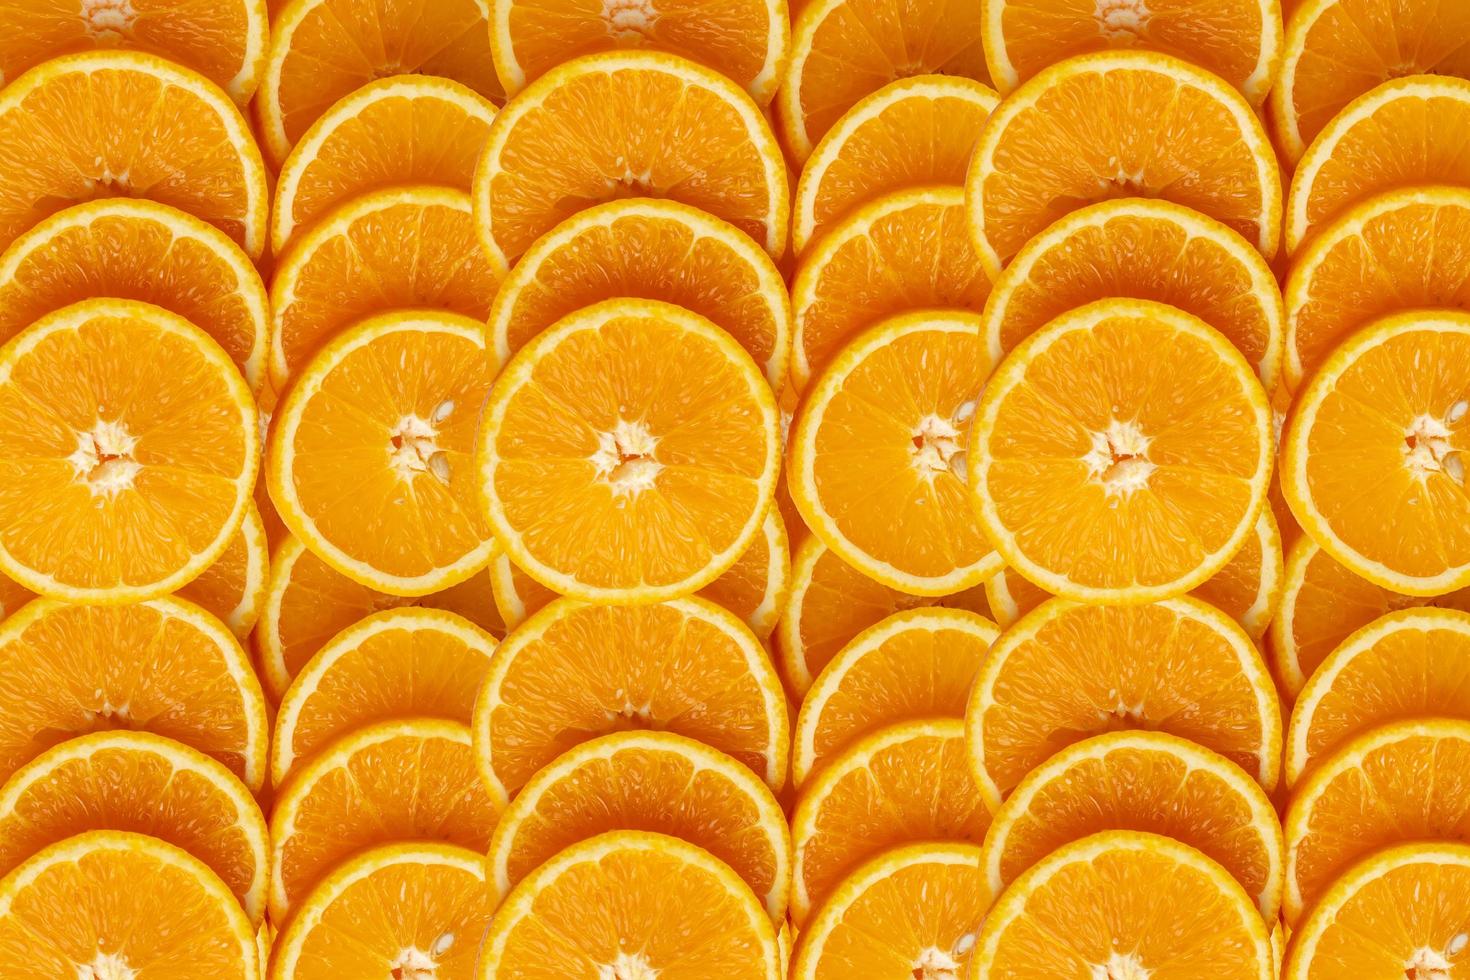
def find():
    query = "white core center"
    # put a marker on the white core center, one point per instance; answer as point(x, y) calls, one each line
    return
point(939, 443)
point(415, 964)
point(937, 964)
point(107, 966)
point(628, 966)
point(629, 21)
point(1428, 964)
point(1118, 458)
point(108, 21)
point(624, 458)
point(1122, 21)
point(413, 445)
point(1121, 966)
point(104, 459)
point(1428, 447)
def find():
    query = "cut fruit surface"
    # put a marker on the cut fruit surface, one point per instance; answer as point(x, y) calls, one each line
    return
point(572, 139)
point(187, 144)
point(628, 453)
point(233, 588)
point(385, 416)
point(1121, 453)
point(1154, 126)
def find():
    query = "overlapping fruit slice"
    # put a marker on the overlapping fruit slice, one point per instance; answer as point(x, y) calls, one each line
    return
point(233, 588)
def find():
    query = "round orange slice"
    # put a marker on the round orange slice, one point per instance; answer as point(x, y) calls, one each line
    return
point(1121, 453)
point(909, 912)
point(1144, 781)
point(1068, 671)
point(628, 453)
point(620, 124)
point(912, 132)
point(147, 784)
point(710, 680)
point(233, 588)
point(397, 663)
point(389, 782)
point(1390, 401)
point(1157, 127)
point(110, 904)
point(918, 663)
point(130, 448)
point(1393, 784)
point(650, 249)
point(1147, 249)
point(407, 129)
point(900, 785)
point(651, 781)
point(184, 144)
point(399, 248)
point(139, 249)
point(876, 462)
point(1136, 905)
point(385, 416)
point(647, 890)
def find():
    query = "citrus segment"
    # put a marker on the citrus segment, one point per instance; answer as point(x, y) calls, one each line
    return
point(233, 588)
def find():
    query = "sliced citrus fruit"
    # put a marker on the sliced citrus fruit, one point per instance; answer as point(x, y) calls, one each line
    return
point(648, 890)
point(651, 781)
point(651, 249)
point(900, 785)
point(1148, 249)
point(1134, 905)
point(917, 663)
point(1121, 453)
point(118, 904)
point(1336, 50)
point(574, 671)
point(628, 124)
point(399, 910)
point(130, 448)
point(756, 586)
point(876, 463)
point(1391, 401)
point(912, 132)
point(397, 663)
point(1399, 782)
point(233, 588)
point(139, 249)
point(184, 144)
point(1155, 126)
point(407, 129)
point(392, 781)
point(905, 251)
point(629, 452)
point(1068, 671)
point(385, 416)
point(1400, 911)
point(397, 248)
point(145, 783)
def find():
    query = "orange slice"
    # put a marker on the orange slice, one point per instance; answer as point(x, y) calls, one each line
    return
point(185, 144)
point(143, 250)
point(1396, 783)
point(408, 129)
point(1400, 911)
point(140, 782)
point(116, 904)
point(397, 663)
point(1148, 249)
point(1121, 453)
point(1111, 890)
point(647, 889)
point(877, 453)
point(918, 663)
point(385, 416)
point(843, 50)
point(322, 50)
point(1156, 127)
point(1145, 781)
point(619, 124)
point(903, 252)
point(651, 781)
point(650, 249)
point(233, 588)
point(1336, 50)
point(1391, 401)
point(710, 680)
point(909, 912)
point(630, 452)
point(130, 449)
point(387, 782)
point(1069, 671)
point(393, 249)
point(912, 132)
point(900, 785)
